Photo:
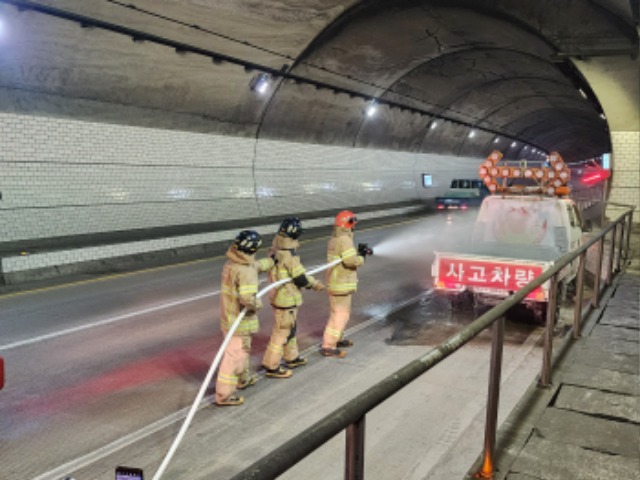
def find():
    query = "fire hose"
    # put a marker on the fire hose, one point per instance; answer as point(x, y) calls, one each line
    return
point(214, 366)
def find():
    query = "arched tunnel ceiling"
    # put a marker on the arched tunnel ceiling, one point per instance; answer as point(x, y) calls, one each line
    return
point(438, 69)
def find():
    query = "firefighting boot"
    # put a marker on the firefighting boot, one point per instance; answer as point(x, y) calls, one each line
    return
point(232, 401)
point(296, 362)
point(333, 352)
point(279, 372)
point(246, 383)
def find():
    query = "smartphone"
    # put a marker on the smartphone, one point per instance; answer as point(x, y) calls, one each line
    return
point(129, 473)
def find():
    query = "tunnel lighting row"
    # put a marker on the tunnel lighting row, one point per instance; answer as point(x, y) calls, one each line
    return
point(261, 83)
point(527, 148)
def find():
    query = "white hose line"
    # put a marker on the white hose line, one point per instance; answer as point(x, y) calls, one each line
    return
point(214, 366)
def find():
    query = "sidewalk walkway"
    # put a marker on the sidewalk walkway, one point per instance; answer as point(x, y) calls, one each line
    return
point(586, 426)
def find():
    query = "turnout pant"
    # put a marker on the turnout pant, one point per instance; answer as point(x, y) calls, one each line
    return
point(283, 342)
point(234, 367)
point(340, 306)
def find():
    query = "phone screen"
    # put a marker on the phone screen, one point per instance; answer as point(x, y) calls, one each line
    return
point(128, 473)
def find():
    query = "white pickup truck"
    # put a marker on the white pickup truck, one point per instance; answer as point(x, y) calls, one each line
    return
point(515, 239)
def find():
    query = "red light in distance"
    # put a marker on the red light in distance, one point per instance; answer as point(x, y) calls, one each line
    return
point(595, 177)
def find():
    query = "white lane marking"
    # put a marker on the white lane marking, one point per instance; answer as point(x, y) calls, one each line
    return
point(158, 425)
point(106, 321)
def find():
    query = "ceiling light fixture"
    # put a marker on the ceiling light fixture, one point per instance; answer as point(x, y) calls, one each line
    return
point(260, 83)
point(371, 109)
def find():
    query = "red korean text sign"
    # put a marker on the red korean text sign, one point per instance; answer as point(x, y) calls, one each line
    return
point(496, 275)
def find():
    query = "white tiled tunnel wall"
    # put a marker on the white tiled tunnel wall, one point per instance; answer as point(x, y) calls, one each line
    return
point(625, 180)
point(315, 177)
point(63, 177)
point(319, 177)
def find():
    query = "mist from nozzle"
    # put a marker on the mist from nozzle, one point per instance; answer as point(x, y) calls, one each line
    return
point(438, 232)
point(405, 245)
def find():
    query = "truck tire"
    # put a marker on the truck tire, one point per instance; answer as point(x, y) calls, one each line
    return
point(543, 313)
point(479, 306)
point(462, 301)
point(571, 290)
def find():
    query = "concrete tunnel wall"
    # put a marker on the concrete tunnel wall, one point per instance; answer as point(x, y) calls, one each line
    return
point(129, 190)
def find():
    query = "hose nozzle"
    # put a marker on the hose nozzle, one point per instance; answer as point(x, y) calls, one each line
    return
point(364, 250)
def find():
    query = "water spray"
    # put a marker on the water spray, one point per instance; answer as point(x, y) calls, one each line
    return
point(420, 240)
point(405, 245)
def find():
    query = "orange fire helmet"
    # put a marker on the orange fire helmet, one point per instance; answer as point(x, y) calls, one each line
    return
point(346, 219)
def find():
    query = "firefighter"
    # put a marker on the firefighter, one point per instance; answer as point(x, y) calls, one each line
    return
point(237, 291)
point(286, 300)
point(342, 282)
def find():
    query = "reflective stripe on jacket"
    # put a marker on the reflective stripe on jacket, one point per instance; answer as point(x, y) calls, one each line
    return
point(238, 289)
point(288, 266)
point(342, 279)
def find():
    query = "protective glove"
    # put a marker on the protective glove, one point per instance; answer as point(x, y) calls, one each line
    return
point(364, 250)
point(318, 286)
point(257, 305)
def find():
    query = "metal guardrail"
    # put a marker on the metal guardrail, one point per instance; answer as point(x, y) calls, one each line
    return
point(351, 416)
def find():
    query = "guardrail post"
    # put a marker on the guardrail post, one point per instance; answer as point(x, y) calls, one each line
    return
point(548, 332)
point(623, 230)
point(493, 399)
point(577, 310)
point(595, 299)
point(354, 457)
point(612, 252)
point(627, 252)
